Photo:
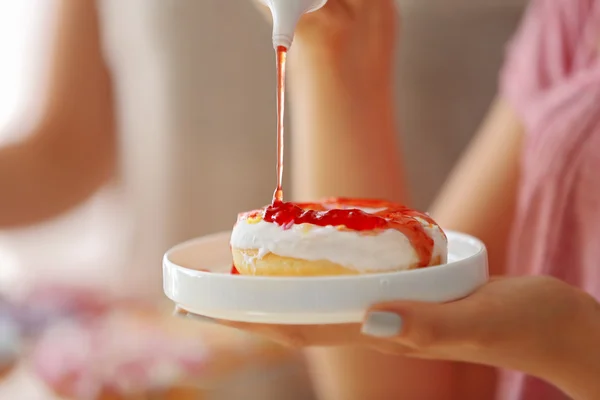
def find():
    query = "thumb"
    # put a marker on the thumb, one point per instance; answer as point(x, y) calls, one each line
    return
point(422, 325)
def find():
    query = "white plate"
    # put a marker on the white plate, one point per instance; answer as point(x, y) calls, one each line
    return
point(310, 300)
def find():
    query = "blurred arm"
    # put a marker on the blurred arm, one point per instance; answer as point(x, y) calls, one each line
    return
point(344, 140)
point(479, 198)
point(71, 151)
point(344, 144)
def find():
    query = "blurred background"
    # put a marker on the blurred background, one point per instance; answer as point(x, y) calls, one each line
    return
point(82, 315)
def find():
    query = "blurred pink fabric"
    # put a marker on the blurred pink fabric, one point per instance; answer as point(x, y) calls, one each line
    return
point(552, 78)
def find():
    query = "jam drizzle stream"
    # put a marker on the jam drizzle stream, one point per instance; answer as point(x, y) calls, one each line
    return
point(281, 58)
point(346, 214)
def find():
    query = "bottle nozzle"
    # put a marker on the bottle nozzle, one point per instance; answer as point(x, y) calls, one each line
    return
point(286, 14)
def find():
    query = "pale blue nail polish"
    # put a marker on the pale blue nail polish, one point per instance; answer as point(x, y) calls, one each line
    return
point(382, 324)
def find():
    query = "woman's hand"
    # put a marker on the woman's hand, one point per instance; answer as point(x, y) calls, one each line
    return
point(506, 323)
point(354, 37)
point(344, 32)
point(538, 325)
point(341, 98)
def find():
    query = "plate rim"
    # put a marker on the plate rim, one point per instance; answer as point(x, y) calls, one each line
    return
point(474, 269)
point(167, 263)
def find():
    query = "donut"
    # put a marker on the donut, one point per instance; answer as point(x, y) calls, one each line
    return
point(337, 236)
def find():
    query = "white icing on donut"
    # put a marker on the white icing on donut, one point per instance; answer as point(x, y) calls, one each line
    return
point(375, 251)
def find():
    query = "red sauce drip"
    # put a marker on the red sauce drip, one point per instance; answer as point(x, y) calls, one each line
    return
point(281, 57)
point(342, 212)
point(234, 270)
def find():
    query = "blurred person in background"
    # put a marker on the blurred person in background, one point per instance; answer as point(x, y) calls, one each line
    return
point(145, 96)
point(528, 186)
point(138, 105)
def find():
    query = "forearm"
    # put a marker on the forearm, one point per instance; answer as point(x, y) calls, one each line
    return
point(345, 143)
point(23, 198)
point(354, 373)
point(71, 152)
point(344, 136)
point(575, 367)
point(39, 181)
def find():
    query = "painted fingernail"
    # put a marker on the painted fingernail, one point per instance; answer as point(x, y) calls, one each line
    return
point(382, 324)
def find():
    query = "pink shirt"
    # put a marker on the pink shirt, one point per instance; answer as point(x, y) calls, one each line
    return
point(552, 79)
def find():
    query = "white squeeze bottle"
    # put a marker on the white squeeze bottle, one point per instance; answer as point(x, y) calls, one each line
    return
point(286, 14)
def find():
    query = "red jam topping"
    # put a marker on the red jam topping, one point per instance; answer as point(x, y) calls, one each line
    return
point(347, 213)
point(234, 270)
